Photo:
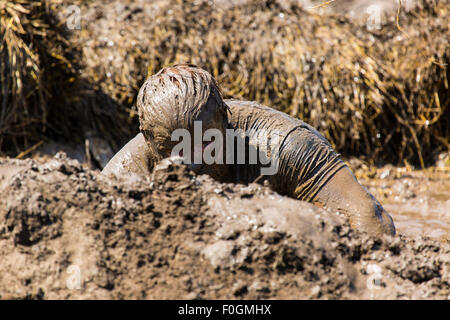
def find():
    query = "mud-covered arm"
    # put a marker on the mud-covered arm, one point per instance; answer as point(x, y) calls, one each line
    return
point(321, 177)
point(344, 193)
point(308, 167)
point(302, 156)
point(132, 158)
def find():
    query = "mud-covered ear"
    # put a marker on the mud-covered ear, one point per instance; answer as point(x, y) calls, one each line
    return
point(153, 150)
point(148, 135)
point(217, 94)
point(226, 109)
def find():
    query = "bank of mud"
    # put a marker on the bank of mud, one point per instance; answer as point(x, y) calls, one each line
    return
point(67, 232)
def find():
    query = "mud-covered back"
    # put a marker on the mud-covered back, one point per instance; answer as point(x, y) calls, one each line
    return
point(306, 160)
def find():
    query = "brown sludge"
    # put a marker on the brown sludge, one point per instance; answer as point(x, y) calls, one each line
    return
point(184, 236)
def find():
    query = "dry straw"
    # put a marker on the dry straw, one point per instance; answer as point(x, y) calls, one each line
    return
point(33, 68)
point(42, 94)
point(379, 94)
point(382, 94)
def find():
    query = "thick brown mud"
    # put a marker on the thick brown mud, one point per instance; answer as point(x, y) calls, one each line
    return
point(67, 232)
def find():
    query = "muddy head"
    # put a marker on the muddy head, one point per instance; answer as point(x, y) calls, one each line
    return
point(185, 99)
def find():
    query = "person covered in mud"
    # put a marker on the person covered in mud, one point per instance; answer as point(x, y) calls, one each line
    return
point(182, 113)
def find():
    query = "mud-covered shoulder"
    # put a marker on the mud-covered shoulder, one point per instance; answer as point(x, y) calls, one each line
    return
point(253, 115)
point(134, 157)
point(304, 158)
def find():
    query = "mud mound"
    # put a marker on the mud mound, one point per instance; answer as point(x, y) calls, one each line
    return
point(68, 232)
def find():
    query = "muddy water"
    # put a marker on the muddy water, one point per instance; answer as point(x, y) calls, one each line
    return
point(418, 200)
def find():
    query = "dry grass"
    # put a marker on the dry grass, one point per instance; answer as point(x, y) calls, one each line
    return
point(43, 94)
point(381, 94)
point(377, 94)
point(35, 65)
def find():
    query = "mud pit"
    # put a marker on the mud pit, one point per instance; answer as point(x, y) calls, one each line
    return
point(67, 232)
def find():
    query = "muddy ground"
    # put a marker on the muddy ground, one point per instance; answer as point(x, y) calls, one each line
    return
point(67, 232)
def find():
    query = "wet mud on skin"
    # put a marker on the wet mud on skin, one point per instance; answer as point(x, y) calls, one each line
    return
point(181, 236)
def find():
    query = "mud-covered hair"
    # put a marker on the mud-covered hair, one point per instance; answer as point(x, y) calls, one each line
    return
point(173, 98)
